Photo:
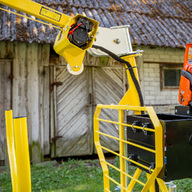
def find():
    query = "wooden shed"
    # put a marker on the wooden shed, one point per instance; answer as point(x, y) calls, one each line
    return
point(59, 106)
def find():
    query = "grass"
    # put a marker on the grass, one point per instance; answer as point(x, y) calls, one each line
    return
point(69, 176)
point(74, 176)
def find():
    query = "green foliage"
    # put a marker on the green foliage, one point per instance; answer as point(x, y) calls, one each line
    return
point(75, 176)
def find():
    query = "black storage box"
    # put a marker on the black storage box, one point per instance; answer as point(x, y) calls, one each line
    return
point(177, 144)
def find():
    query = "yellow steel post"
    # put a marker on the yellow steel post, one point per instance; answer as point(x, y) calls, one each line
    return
point(11, 149)
point(122, 150)
point(133, 182)
point(99, 150)
point(131, 97)
point(152, 188)
point(22, 155)
point(162, 185)
point(159, 139)
point(159, 156)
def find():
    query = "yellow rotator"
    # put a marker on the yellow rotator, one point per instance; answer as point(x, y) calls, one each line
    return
point(74, 39)
point(76, 34)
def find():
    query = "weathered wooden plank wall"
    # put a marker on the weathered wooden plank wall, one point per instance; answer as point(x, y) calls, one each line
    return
point(6, 51)
point(109, 89)
point(47, 107)
point(72, 117)
point(30, 91)
point(103, 81)
point(5, 103)
point(44, 88)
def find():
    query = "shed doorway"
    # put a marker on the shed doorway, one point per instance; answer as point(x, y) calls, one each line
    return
point(75, 100)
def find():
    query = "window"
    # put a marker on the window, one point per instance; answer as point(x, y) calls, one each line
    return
point(170, 76)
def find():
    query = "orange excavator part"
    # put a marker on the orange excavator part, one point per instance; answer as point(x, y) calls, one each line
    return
point(188, 58)
point(185, 87)
point(185, 91)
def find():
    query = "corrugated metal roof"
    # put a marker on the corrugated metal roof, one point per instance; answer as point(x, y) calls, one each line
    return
point(152, 22)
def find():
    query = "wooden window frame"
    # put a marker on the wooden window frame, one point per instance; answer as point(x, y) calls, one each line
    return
point(168, 66)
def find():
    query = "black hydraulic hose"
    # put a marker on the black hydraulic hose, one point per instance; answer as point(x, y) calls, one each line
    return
point(129, 67)
point(187, 75)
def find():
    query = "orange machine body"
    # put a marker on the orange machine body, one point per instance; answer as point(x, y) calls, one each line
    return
point(185, 87)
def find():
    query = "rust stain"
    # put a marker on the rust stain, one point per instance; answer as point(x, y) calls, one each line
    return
point(72, 14)
point(8, 23)
point(144, 2)
point(43, 29)
point(18, 20)
point(27, 34)
point(35, 31)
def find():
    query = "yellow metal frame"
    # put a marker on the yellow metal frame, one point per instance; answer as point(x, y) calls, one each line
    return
point(18, 152)
point(131, 97)
point(159, 150)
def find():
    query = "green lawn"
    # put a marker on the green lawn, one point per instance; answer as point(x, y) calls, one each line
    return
point(69, 176)
point(73, 176)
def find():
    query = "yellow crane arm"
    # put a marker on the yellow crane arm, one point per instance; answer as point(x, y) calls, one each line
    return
point(38, 10)
point(75, 37)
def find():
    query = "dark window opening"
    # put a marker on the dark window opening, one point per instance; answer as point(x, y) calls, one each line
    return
point(170, 76)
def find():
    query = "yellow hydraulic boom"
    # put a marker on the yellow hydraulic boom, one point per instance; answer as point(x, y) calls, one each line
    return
point(76, 34)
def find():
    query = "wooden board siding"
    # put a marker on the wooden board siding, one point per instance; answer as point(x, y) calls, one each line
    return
point(44, 98)
point(109, 89)
point(5, 103)
point(75, 103)
point(73, 114)
point(30, 91)
point(30, 88)
point(75, 99)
